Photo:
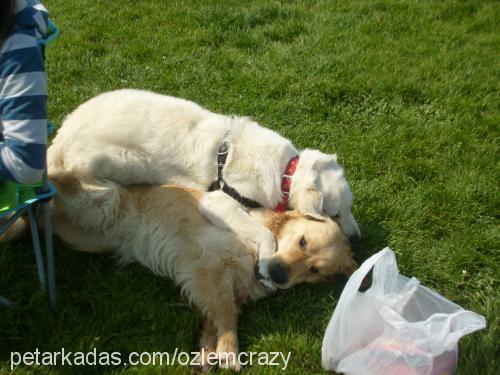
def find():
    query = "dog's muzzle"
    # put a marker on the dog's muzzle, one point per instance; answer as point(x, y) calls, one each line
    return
point(278, 272)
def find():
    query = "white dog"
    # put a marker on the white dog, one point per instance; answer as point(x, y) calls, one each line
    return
point(139, 137)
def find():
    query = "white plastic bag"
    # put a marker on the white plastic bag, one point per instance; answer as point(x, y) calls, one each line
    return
point(396, 327)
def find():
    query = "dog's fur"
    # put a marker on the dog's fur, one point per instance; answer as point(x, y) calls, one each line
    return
point(139, 137)
point(162, 228)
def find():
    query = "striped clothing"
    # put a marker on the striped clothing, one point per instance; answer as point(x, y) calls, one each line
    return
point(23, 95)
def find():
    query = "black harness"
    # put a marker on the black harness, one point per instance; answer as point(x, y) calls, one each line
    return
point(220, 184)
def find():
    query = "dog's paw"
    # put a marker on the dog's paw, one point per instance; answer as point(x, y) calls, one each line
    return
point(263, 269)
point(229, 360)
point(267, 284)
point(262, 274)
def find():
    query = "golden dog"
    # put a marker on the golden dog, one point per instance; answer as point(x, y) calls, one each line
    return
point(162, 228)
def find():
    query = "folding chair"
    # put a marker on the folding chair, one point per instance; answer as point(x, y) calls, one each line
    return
point(18, 199)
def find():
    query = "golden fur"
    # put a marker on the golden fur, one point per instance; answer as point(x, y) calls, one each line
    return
point(162, 228)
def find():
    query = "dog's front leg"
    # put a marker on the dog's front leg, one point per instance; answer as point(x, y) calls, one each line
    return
point(226, 213)
point(226, 324)
point(208, 345)
point(214, 296)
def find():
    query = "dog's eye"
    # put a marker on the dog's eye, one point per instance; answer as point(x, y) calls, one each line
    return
point(334, 217)
point(313, 269)
point(302, 242)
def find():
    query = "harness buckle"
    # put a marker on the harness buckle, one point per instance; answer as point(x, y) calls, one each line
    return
point(223, 149)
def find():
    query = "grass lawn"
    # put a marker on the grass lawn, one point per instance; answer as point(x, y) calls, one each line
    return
point(405, 92)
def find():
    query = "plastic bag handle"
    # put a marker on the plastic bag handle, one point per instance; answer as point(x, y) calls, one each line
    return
point(352, 287)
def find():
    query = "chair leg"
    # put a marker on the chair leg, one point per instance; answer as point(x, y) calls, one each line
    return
point(37, 247)
point(49, 246)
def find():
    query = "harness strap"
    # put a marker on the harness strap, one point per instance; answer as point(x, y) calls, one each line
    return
point(220, 184)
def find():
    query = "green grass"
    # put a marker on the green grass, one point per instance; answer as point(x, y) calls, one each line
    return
point(406, 92)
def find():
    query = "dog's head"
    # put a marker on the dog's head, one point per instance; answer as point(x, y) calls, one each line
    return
point(319, 186)
point(309, 249)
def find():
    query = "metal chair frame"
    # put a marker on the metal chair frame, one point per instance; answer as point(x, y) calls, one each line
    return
point(43, 200)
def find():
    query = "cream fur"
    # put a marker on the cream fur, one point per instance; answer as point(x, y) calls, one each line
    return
point(139, 137)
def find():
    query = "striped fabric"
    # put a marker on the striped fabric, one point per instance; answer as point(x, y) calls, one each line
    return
point(23, 95)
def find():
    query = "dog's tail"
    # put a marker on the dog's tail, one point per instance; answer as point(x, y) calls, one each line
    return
point(19, 228)
point(97, 202)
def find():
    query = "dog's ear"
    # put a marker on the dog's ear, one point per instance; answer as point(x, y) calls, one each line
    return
point(308, 200)
point(324, 159)
point(310, 203)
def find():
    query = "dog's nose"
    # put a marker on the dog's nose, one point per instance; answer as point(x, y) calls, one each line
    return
point(354, 239)
point(278, 272)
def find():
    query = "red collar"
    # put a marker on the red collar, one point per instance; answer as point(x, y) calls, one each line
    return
point(286, 183)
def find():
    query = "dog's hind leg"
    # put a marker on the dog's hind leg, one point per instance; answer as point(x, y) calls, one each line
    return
point(79, 239)
point(121, 163)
